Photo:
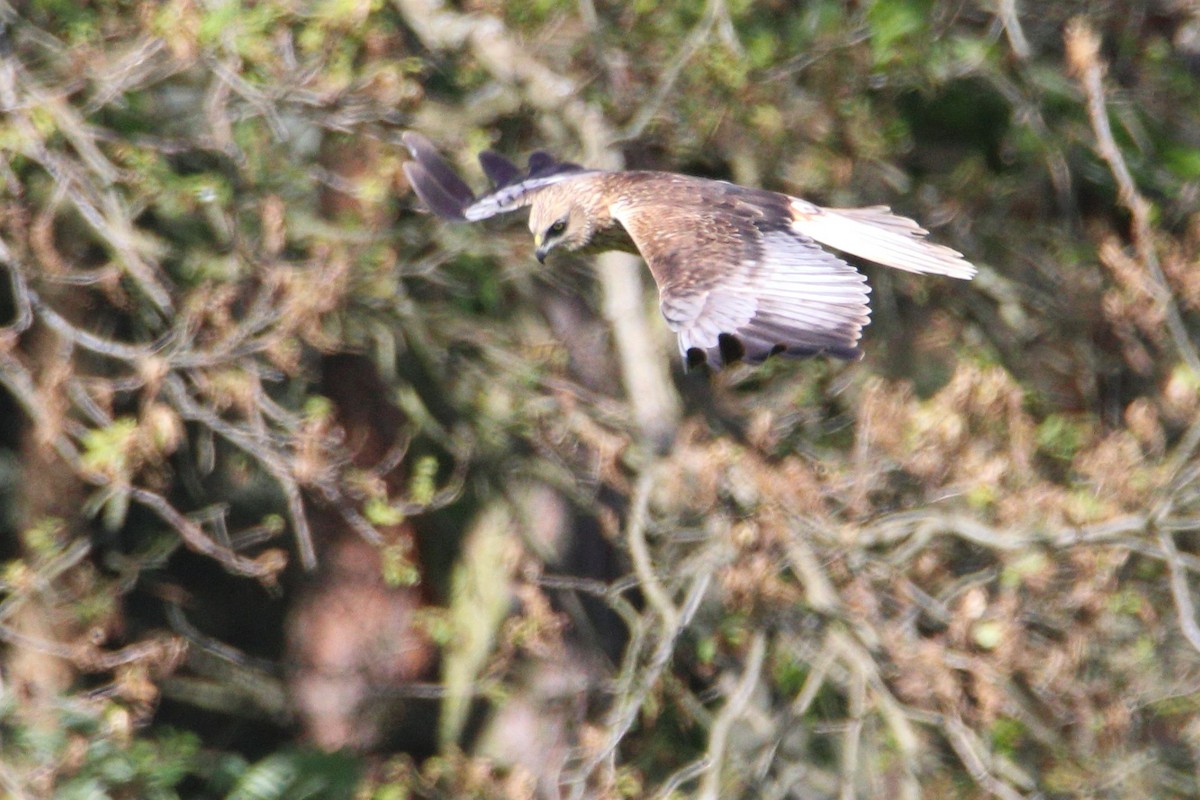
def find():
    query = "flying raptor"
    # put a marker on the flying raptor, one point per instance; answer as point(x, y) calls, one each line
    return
point(742, 273)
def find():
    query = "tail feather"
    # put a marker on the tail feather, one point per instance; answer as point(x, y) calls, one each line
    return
point(876, 234)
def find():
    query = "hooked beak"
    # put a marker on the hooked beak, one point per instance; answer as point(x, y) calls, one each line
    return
point(541, 250)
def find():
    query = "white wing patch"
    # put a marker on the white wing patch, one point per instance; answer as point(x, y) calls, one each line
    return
point(878, 235)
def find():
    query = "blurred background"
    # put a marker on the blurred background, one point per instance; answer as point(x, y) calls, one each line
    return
point(305, 493)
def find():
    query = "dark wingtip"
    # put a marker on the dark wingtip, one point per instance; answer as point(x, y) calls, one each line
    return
point(694, 358)
point(752, 348)
point(450, 192)
point(542, 164)
point(540, 161)
point(730, 348)
point(448, 196)
point(500, 171)
point(432, 194)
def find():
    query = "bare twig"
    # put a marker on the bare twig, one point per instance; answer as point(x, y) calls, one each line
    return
point(852, 735)
point(655, 592)
point(198, 639)
point(90, 341)
point(715, 15)
point(1083, 57)
point(1181, 593)
point(718, 732)
point(1125, 531)
point(100, 207)
point(266, 569)
point(976, 759)
point(682, 776)
point(1006, 12)
point(635, 683)
point(812, 683)
point(21, 295)
point(258, 448)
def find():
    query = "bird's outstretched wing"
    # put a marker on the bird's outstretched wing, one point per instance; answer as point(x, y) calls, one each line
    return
point(446, 194)
point(735, 279)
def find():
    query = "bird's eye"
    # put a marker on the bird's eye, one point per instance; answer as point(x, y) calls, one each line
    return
point(558, 227)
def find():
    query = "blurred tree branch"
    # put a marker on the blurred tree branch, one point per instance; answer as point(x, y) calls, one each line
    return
point(962, 567)
point(1083, 59)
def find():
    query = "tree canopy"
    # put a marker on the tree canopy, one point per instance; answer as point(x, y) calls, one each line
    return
point(306, 493)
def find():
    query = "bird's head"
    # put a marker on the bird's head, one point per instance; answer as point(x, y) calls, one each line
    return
point(556, 220)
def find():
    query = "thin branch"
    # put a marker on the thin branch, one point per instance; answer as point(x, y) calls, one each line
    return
point(259, 449)
point(635, 684)
point(21, 295)
point(1083, 57)
point(655, 592)
point(300, 527)
point(718, 732)
point(812, 683)
point(1125, 532)
point(1006, 12)
point(1181, 593)
point(850, 651)
point(975, 757)
point(90, 341)
point(682, 776)
point(265, 569)
point(198, 639)
point(852, 735)
point(714, 11)
point(100, 208)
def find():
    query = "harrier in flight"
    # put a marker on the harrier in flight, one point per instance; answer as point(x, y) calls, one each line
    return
point(741, 272)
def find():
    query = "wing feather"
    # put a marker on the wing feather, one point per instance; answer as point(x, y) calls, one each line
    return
point(500, 171)
point(435, 166)
point(446, 194)
point(437, 197)
point(512, 197)
point(734, 278)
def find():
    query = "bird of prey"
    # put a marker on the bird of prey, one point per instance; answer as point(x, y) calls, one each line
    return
point(741, 272)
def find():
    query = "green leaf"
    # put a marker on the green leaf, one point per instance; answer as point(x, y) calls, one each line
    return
point(107, 450)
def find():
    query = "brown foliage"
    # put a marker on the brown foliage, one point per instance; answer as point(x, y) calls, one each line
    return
point(279, 445)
